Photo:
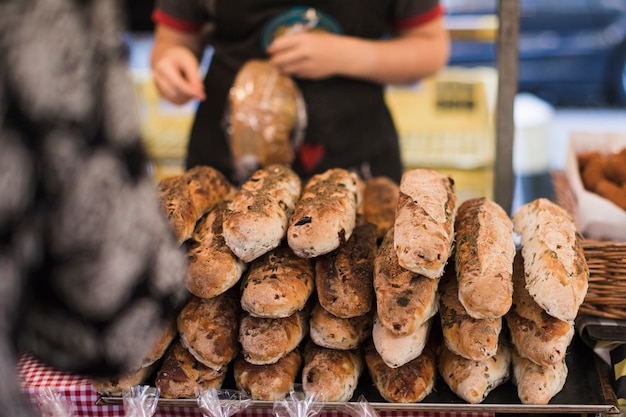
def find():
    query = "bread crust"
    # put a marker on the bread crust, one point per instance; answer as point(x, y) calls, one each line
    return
point(380, 200)
point(114, 386)
point(268, 382)
point(344, 277)
point(424, 223)
point(278, 284)
point(404, 299)
point(330, 331)
point(556, 270)
point(537, 384)
point(485, 248)
point(330, 374)
point(398, 350)
point(325, 216)
point(256, 219)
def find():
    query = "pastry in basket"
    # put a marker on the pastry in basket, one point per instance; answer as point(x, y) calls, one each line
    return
point(537, 336)
point(277, 284)
point(181, 374)
point(409, 383)
point(474, 380)
point(380, 200)
point(474, 339)
point(331, 374)
point(265, 341)
point(537, 384)
point(344, 277)
point(485, 248)
point(424, 224)
point(325, 216)
point(398, 350)
point(268, 382)
point(209, 327)
point(213, 268)
point(404, 300)
point(185, 198)
point(554, 262)
point(257, 217)
point(330, 331)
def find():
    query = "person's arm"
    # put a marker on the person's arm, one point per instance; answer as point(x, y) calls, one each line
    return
point(406, 58)
point(175, 64)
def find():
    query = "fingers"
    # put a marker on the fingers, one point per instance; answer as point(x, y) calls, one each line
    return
point(178, 79)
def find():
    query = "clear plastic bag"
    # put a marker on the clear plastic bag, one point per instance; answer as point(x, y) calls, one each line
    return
point(222, 403)
point(360, 408)
point(298, 404)
point(140, 400)
point(52, 404)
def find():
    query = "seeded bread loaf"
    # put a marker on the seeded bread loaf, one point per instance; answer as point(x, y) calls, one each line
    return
point(380, 200)
point(330, 374)
point(268, 382)
point(537, 384)
point(330, 331)
point(395, 350)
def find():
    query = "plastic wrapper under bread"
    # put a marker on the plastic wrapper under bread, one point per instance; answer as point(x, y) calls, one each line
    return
point(266, 118)
point(51, 404)
point(222, 403)
point(140, 400)
point(297, 404)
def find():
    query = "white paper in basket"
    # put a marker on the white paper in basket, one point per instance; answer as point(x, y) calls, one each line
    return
point(596, 217)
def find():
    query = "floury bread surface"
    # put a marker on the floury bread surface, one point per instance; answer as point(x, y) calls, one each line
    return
point(394, 350)
point(380, 200)
point(554, 262)
point(268, 382)
point(329, 374)
point(537, 384)
point(424, 224)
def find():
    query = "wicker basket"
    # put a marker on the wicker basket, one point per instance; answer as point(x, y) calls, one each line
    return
point(606, 296)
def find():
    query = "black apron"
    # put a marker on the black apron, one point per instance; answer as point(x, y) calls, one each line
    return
point(348, 123)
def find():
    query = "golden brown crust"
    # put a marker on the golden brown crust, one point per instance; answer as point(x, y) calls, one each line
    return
point(209, 328)
point(277, 284)
point(114, 386)
point(325, 216)
point(409, 383)
point(424, 224)
point(264, 341)
point(181, 374)
point(330, 331)
point(485, 248)
point(404, 299)
point(398, 350)
point(330, 374)
point(537, 384)
point(344, 277)
point(380, 200)
point(268, 382)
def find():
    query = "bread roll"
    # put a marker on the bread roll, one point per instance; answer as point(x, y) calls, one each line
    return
point(265, 341)
point(554, 262)
point(114, 386)
point(181, 375)
point(405, 300)
point(398, 350)
point(325, 216)
point(209, 328)
point(537, 384)
point(330, 331)
point(474, 380)
point(537, 336)
point(409, 383)
point(380, 201)
point(330, 374)
point(344, 277)
point(256, 219)
point(474, 339)
point(484, 254)
point(424, 224)
point(268, 382)
point(278, 284)
point(212, 268)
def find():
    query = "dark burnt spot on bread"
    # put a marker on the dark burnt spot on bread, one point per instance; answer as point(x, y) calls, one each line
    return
point(304, 220)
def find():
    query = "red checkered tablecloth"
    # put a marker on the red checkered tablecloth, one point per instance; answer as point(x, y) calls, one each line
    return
point(35, 376)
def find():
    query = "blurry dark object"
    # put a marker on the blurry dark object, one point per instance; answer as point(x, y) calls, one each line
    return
point(138, 15)
point(571, 52)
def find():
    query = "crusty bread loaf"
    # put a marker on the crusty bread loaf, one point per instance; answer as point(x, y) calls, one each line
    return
point(160, 346)
point(380, 200)
point(405, 300)
point(424, 224)
point(212, 267)
point(209, 327)
point(474, 339)
point(277, 284)
point(485, 248)
point(185, 198)
point(398, 350)
point(256, 219)
point(409, 383)
point(330, 374)
point(181, 375)
point(554, 262)
point(330, 331)
point(537, 384)
point(268, 382)
point(114, 386)
point(344, 277)
point(537, 336)
point(265, 341)
point(474, 380)
point(325, 216)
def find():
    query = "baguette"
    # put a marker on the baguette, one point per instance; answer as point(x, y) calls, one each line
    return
point(325, 216)
point(268, 382)
point(330, 374)
point(424, 223)
point(484, 254)
point(537, 384)
point(395, 350)
point(380, 200)
point(556, 270)
point(330, 331)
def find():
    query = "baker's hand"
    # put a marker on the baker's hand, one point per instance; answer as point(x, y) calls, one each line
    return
point(177, 76)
